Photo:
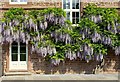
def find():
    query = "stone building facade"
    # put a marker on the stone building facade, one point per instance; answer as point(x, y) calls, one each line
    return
point(36, 64)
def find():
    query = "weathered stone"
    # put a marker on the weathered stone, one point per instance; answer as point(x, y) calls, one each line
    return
point(1, 71)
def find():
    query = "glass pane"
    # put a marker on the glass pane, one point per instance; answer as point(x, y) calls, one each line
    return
point(14, 0)
point(77, 17)
point(22, 48)
point(77, 14)
point(15, 57)
point(73, 14)
point(23, 0)
point(14, 47)
point(22, 57)
point(73, 21)
point(64, 4)
point(68, 15)
point(67, 4)
point(73, 4)
point(77, 4)
point(77, 20)
point(73, 17)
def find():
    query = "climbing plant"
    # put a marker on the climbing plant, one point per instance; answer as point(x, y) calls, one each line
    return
point(55, 38)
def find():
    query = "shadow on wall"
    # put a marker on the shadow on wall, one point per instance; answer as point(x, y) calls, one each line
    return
point(112, 62)
point(75, 67)
point(69, 67)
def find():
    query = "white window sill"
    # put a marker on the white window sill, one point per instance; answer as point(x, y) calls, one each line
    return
point(18, 3)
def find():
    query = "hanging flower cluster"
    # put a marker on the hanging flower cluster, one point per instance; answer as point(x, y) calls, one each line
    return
point(52, 36)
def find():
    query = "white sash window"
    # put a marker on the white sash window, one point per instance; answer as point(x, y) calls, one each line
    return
point(18, 1)
point(72, 8)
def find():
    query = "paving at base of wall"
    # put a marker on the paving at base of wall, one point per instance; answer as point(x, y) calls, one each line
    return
point(64, 77)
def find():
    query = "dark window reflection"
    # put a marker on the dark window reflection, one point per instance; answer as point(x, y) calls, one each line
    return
point(75, 17)
point(77, 4)
point(68, 15)
point(14, 56)
point(22, 47)
point(22, 52)
point(22, 57)
point(14, 47)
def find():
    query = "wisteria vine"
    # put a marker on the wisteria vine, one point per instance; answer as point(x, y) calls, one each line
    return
point(54, 37)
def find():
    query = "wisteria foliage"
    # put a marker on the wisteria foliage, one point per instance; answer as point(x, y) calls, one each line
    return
point(52, 36)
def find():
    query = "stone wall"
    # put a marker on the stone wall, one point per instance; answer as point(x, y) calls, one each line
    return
point(112, 63)
point(5, 53)
point(40, 66)
point(1, 62)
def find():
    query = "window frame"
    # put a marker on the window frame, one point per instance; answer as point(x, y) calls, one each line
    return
point(71, 10)
point(10, 2)
point(18, 52)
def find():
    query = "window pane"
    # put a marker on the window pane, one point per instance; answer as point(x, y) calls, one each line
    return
point(68, 15)
point(22, 51)
point(77, 20)
point(77, 14)
point(73, 17)
point(77, 17)
point(73, 14)
point(22, 48)
point(64, 4)
point(77, 4)
point(23, 0)
point(14, 0)
point(73, 4)
point(14, 47)
point(14, 57)
point(22, 57)
point(67, 4)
